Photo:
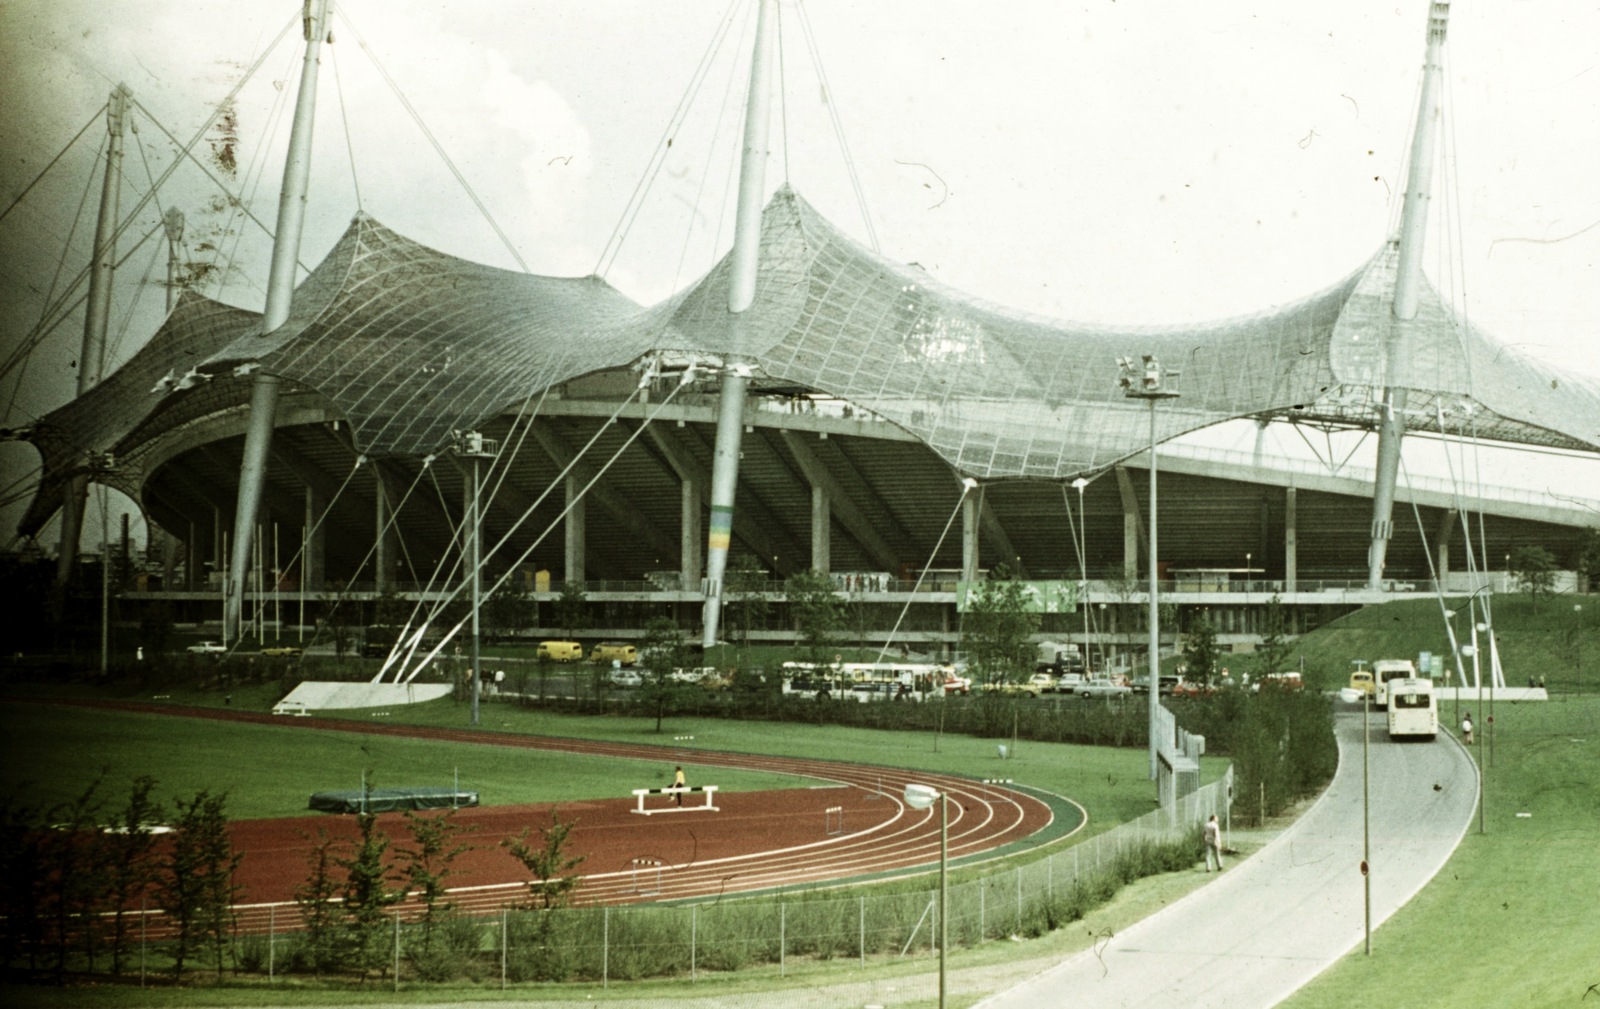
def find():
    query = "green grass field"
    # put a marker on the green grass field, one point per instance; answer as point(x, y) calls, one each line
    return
point(52, 753)
point(1514, 918)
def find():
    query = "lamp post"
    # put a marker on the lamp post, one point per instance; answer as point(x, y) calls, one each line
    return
point(1083, 570)
point(1143, 381)
point(1577, 644)
point(921, 797)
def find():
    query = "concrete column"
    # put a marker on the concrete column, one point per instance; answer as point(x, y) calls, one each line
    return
point(217, 528)
point(193, 569)
point(575, 531)
point(1291, 560)
point(169, 560)
point(1441, 543)
point(313, 566)
point(970, 506)
point(1130, 526)
point(383, 530)
point(689, 562)
point(821, 530)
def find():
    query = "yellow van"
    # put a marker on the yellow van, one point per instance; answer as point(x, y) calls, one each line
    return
point(560, 651)
point(614, 651)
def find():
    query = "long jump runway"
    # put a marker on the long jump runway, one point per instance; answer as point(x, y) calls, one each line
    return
point(756, 841)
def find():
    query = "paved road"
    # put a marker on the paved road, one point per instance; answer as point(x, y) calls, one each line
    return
point(1276, 920)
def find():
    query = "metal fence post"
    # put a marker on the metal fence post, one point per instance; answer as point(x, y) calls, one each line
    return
point(862, 904)
point(605, 952)
point(143, 920)
point(272, 937)
point(1019, 900)
point(783, 943)
point(983, 919)
point(694, 938)
point(397, 951)
point(503, 933)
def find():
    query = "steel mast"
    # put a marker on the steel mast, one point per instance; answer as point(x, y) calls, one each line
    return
point(1407, 289)
point(97, 317)
point(741, 294)
point(280, 293)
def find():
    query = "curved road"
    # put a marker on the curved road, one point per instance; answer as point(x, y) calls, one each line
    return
point(1274, 921)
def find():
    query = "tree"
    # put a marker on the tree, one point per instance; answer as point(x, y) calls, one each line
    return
point(819, 612)
point(367, 893)
point(1535, 569)
point(196, 886)
point(662, 651)
point(510, 609)
point(553, 880)
point(744, 584)
point(389, 610)
point(430, 860)
point(1200, 653)
point(1274, 650)
point(129, 868)
point(997, 630)
point(318, 896)
point(571, 609)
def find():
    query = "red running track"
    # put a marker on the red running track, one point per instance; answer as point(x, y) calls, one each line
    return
point(754, 841)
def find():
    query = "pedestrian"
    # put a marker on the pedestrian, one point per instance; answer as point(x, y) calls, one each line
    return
point(1541, 681)
point(1466, 727)
point(1213, 839)
point(677, 782)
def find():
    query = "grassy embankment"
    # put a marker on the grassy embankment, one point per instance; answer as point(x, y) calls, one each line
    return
point(1513, 919)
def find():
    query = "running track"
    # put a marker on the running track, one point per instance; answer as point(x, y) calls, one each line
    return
point(757, 841)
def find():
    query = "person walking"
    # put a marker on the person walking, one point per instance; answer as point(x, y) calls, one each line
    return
point(678, 782)
point(1213, 839)
point(1466, 727)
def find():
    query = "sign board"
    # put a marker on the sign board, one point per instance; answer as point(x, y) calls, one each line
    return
point(1425, 662)
point(1038, 597)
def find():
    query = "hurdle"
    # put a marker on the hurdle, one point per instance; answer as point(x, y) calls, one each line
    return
point(709, 790)
point(993, 781)
point(648, 864)
point(878, 792)
point(679, 741)
point(833, 820)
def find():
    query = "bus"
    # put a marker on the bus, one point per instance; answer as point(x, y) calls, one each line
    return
point(1413, 709)
point(1385, 670)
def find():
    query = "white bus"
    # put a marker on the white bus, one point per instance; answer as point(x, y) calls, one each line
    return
point(1413, 709)
point(1385, 670)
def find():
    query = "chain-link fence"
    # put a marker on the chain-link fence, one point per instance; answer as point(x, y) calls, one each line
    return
point(630, 942)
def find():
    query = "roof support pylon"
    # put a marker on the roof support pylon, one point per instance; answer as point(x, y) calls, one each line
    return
point(741, 294)
point(1407, 289)
point(280, 293)
point(97, 317)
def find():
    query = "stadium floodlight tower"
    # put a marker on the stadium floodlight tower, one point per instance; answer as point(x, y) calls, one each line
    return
point(921, 797)
point(1143, 381)
point(744, 259)
point(1407, 292)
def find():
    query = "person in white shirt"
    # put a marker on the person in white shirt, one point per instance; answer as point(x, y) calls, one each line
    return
point(1213, 839)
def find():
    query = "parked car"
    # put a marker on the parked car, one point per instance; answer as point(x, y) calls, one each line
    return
point(1186, 689)
point(1280, 681)
point(625, 678)
point(953, 684)
point(1101, 688)
point(208, 647)
point(560, 651)
point(282, 650)
point(1042, 683)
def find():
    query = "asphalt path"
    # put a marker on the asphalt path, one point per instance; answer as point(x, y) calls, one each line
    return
point(1276, 920)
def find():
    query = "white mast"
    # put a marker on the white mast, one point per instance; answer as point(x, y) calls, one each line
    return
point(741, 294)
point(1408, 285)
point(280, 293)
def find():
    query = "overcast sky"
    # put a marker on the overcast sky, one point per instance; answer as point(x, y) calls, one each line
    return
point(1118, 160)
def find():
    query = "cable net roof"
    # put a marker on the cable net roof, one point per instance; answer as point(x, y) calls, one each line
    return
point(409, 344)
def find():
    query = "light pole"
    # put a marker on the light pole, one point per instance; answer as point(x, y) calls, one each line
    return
point(1577, 644)
point(1083, 570)
point(921, 797)
point(1366, 836)
point(1143, 381)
